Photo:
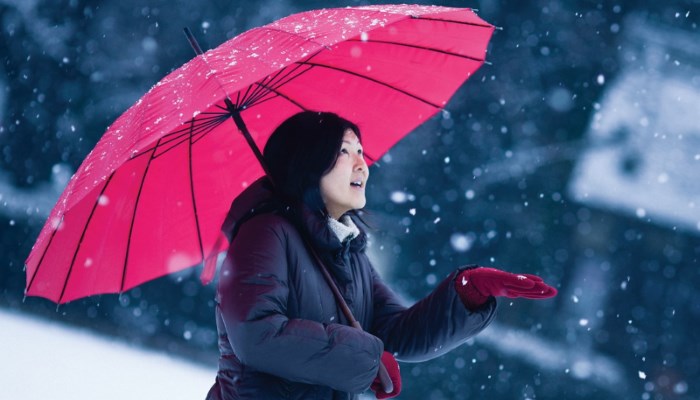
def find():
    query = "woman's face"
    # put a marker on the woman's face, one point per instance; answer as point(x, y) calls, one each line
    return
point(343, 187)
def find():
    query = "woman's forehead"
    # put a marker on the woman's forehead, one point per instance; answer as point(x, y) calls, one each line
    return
point(350, 137)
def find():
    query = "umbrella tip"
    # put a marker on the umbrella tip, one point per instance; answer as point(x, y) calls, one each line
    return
point(193, 41)
point(498, 28)
point(488, 62)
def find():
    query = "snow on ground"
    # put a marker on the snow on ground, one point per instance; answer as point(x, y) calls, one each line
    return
point(45, 360)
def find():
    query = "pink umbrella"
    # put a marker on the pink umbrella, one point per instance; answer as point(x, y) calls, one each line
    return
point(150, 198)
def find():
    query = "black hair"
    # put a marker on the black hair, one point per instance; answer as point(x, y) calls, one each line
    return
point(300, 151)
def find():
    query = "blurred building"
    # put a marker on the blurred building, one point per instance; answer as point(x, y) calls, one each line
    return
point(643, 155)
point(638, 182)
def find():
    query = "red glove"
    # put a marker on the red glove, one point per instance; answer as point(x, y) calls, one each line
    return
point(393, 368)
point(474, 286)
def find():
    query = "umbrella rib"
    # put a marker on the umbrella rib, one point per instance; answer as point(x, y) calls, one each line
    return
point(203, 128)
point(258, 91)
point(375, 81)
point(194, 200)
point(284, 96)
point(214, 116)
point(82, 236)
point(286, 78)
point(179, 133)
point(454, 22)
point(245, 96)
point(174, 142)
point(271, 88)
point(269, 95)
point(133, 218)
point(41, 260)
point(249, 98)
point(248, 102)
point(449, 53)
point(200, 136)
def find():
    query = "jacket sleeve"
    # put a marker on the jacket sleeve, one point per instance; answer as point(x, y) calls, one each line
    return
point(253, 292)
point(431, 327)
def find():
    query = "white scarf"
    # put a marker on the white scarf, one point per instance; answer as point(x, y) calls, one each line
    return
point(344, 229)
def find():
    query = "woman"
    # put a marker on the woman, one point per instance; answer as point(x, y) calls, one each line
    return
point(281, 334)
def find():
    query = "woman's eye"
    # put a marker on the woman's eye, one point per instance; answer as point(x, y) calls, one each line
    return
point(359, 152)
point(344, 151)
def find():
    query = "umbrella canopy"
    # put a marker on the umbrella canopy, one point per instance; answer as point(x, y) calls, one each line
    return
point(150, 198)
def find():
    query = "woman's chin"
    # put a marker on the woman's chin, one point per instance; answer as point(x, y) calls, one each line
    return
point(360, 204)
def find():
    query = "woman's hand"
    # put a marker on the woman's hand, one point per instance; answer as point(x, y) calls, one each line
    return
point(393, 368)
point(474, 286)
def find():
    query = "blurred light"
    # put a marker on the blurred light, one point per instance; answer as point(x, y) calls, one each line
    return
point(398, 197)
point(461, 242)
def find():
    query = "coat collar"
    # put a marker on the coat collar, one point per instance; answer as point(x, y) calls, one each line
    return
point(344, 229)
point(324, 237)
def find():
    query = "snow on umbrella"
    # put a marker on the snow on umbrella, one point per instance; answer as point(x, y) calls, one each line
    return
point(150, 198)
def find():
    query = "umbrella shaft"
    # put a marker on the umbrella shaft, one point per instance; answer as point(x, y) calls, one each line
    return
point(236, 115)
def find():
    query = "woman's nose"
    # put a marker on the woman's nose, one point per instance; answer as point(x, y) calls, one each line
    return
point(360, 163)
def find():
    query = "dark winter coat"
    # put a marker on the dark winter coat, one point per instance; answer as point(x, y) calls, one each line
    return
point(281, 333)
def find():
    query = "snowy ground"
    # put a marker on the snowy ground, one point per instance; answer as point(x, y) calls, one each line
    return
point(45, 360)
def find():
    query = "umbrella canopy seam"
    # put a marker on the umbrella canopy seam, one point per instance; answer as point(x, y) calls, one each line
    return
point(133, 219)
point(82, 236)
point(449, 53)
point(453, 21)
point(194, 200)
point(373, 80)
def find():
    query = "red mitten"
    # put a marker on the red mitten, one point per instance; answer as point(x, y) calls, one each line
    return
point(392, 368)
point(474, 286)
